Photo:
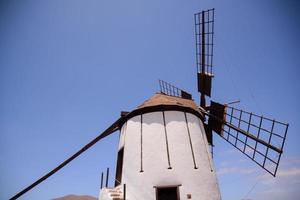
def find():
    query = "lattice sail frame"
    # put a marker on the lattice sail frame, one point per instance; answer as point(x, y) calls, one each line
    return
point(204, 26)
point(204, 35)
point(258, 137)
point(171, 90)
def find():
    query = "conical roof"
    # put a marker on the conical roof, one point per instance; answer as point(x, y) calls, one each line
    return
point(163, 102)
point(160, 99)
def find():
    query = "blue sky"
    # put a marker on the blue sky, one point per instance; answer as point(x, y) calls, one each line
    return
point(67, 69)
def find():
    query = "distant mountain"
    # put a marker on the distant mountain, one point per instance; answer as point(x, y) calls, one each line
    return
point(76, 197)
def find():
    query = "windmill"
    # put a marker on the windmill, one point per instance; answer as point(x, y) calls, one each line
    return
point(163, 150)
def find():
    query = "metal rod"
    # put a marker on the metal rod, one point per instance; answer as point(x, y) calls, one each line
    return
point(207, 46)
point(160, 85)
point(196, 38)
point(190, 140)
point(212, 39)
point(202, 102)
point(258, 135)
point(141, 143)
point(101, 180)
point(233, 102)
point(248, 131)
point(237, 133)
point(124, 191)
point(107, 177)
point(204, 137)
point(269, 141)
point(282, 146)
point(167, 143)
point(230, 123)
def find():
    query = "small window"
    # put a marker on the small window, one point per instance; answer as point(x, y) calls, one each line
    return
point(167, 193)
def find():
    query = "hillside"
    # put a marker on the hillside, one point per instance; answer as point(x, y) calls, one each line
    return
point(76, 197)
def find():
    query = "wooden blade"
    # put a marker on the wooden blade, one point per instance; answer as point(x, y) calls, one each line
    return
point(114, 127)
point(219, 111)
point(259, 138)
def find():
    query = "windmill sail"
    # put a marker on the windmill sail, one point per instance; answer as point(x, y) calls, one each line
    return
point(204, 32)
point(258, 137)
point(171, 90)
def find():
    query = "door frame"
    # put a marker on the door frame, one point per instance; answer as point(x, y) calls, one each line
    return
point(119, 167)
point(167, 186)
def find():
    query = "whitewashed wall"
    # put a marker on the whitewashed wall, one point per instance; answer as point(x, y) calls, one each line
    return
point(145, 149)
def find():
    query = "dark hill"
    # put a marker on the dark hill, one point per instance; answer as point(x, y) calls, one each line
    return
point(76, 197)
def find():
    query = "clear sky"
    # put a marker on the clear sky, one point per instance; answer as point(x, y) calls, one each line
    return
point(68, 68)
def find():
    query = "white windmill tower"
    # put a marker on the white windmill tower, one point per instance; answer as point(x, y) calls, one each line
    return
point(163, 151)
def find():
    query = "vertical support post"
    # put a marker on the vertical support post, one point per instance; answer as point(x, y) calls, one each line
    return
point(230, 122)
point(286, 129)
point(107, 174)
point(239, 124)
point(190, 140)
point(142, 170)
point(160, 85)
point(124, 191)
point(269, 141)
point(202, 102)
point(212, 40)
point(167, 143)
point(259, 128)
point(250, 117)
point(101, 180)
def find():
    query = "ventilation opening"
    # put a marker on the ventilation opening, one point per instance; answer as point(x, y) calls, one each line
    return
point(167, 193)
point(119, 167)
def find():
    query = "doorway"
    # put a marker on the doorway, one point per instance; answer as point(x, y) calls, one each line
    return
point(167, 193)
